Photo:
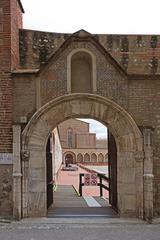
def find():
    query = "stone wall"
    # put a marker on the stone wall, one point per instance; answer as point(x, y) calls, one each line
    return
point(137, 95)
point(135, 53)
point(6, 206)
point(24, 98)
point(22, 94)
point(110, 83)
point(36, 47)
point(144, 106)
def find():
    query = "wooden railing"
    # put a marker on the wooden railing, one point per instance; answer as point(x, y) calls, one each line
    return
point(102, 178)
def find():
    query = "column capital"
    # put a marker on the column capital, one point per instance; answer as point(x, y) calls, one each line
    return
point(148, 176)
point(139, 156)
point(17, 175)
point(25, 154)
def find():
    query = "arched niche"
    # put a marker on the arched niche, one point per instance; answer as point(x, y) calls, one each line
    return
point(81, 71)
point(129, 150)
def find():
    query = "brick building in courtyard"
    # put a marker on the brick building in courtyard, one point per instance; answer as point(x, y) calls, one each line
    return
point(47, 78)
point(72, 143)
point(79, 145)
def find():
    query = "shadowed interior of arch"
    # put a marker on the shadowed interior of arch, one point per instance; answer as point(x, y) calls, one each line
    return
point(77, 154)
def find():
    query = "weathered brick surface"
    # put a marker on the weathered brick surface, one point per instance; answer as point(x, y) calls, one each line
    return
point(24, 97)
point(110, 83)
point(36, 47)
point(135, 53)
point(9, 59)
point(140, 97)
point(144, 106)
point(18, 93)
point(10, 21)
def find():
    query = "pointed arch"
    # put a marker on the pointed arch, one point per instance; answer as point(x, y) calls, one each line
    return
point(86, 157)
point(100, 157)
point(93, 157)
point(79, 157)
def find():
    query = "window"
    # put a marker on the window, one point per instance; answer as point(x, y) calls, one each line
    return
point(69, 137)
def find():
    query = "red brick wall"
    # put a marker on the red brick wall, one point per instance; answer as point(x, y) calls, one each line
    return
point(10, 21)
point(10, 15)
point(16, 24)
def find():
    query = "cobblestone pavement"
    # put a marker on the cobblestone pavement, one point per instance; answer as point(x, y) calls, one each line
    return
point(83, 229)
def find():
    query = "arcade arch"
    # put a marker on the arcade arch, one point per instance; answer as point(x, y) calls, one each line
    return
point(86, 157)
point(93, 157)
point(79, 157)
point(69, 158)
point(100, 158)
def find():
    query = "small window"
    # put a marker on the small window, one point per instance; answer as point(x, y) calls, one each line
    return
point(69, 137)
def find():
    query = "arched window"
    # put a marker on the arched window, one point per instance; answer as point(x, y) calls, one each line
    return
point(86, 158)
point(79, 157)
point(69, 137)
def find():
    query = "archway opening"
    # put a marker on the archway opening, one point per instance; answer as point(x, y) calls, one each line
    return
point(80, 147)
point(128, 140)
point(68, 159)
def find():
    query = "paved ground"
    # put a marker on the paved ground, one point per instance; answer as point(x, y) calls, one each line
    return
point(79, 228)
point(66, 203)
point(70, 229)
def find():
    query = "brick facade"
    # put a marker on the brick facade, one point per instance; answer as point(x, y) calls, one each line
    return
point(34, 71)
point(83, 142)
point(11, 21)
point(137, 54)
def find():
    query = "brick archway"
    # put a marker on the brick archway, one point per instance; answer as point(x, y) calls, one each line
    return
point(70, 155)
point(129, 150)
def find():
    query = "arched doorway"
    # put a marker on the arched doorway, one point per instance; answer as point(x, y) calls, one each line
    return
point(68, 159)
point(129, 150)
